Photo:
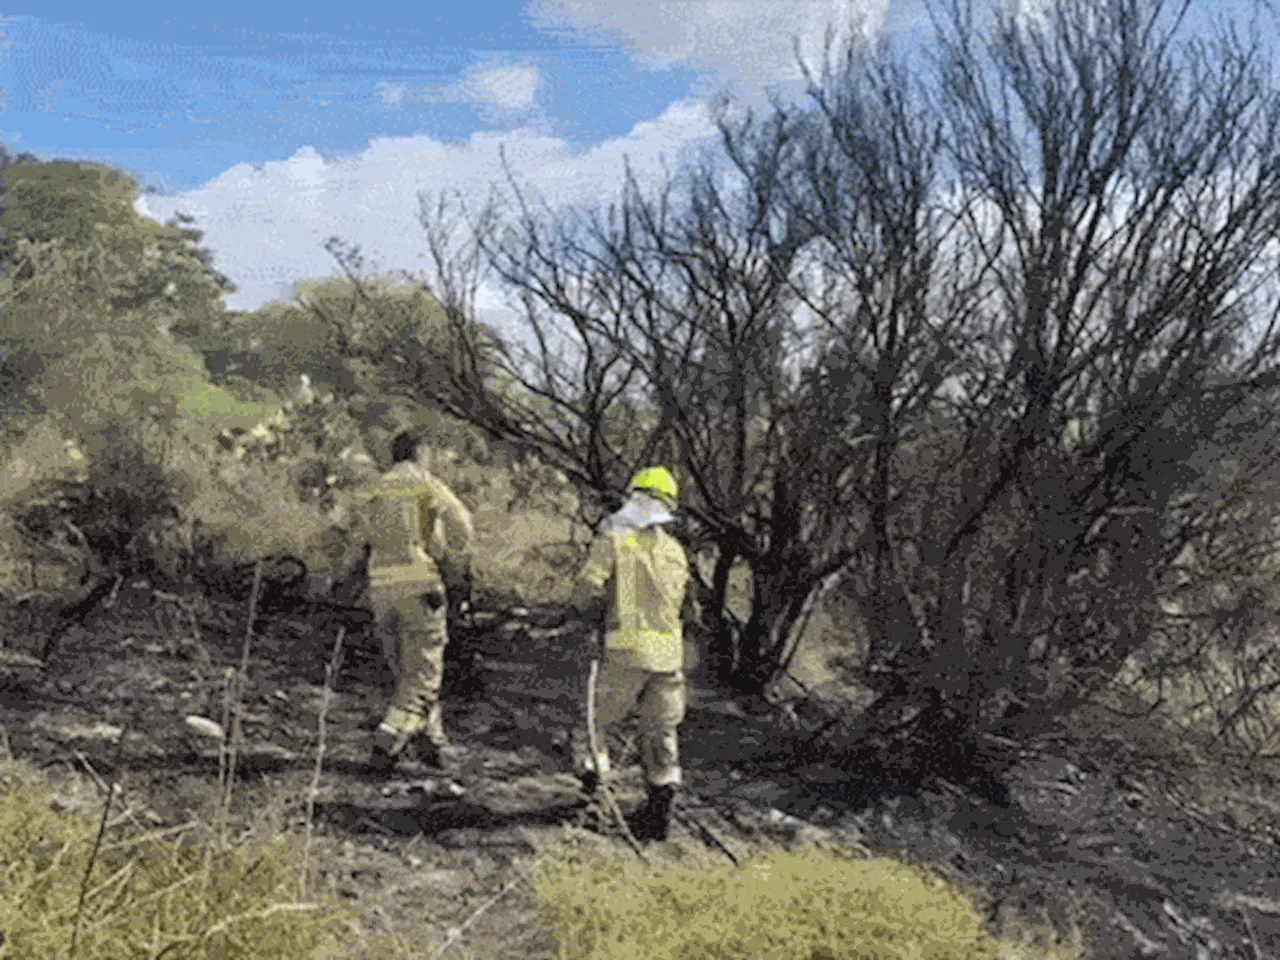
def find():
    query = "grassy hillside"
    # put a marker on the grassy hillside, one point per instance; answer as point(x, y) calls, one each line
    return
point(210, 407)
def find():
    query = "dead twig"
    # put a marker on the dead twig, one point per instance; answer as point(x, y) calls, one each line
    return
point(456, 933)
point(154, 836)
point(88, 870)
point(1252, 937)
point(97, 779)
point(223, 925)
point(370, 822)
point(115, 592)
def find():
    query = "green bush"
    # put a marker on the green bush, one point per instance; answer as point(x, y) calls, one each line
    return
point(809, 904)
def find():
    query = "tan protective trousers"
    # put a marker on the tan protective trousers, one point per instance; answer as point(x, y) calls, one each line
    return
point(413, 632)
point(658, 702)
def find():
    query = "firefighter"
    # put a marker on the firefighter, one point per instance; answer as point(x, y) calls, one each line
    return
point(418, 536)
point(634, 583)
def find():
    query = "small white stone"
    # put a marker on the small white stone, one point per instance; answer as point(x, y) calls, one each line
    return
point(206, 727)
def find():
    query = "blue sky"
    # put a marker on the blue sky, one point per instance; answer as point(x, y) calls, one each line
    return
point(277, 124)
point(181, 97)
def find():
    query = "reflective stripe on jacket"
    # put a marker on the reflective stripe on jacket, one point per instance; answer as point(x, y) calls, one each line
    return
point(644, 572)
point(412, 521)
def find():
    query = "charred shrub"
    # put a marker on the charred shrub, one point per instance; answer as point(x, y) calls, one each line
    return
point(116, 517)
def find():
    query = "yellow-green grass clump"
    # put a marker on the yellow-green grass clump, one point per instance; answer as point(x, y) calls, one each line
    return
point(808, 904)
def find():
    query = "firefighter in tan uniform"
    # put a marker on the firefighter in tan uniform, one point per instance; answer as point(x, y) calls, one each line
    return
point(418, 535)
point(635, 581)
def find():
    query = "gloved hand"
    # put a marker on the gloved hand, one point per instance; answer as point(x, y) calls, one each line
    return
point(593, 611)
point(350, 590)
point(352, 583)
point(460, 587)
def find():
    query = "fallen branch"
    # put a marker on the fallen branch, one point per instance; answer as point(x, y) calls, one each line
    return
point(1144, 944)
point(708, 835)
point(1241, 900)
point(115, 592)
point(13, 660)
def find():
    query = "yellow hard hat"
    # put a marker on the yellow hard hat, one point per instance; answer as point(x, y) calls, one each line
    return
point(659, 482)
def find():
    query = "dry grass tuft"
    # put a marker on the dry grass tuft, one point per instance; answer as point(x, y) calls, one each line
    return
point(147, 895)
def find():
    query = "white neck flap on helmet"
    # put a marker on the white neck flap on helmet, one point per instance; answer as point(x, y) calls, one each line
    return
point(640, 511)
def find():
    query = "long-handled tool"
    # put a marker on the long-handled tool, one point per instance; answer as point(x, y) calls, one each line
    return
point(593, 744)
point(693, 824)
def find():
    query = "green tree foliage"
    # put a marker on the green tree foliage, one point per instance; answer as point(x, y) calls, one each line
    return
point(370, 341)
point(89, 287)
point(341, 332)
point(63, 200)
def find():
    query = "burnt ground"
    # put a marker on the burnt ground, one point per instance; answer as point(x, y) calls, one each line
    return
point(1114, 829)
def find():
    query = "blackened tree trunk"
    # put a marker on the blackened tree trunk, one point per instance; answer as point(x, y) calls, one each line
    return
point(718, 620)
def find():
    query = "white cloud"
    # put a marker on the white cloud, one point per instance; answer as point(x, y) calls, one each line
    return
point(501, 90)
point(513, 88)
point(266, 225)
point(393, 94)
point(747, 43)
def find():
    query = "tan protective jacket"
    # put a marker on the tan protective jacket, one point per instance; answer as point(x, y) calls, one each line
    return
point(413, 523)
point(644, 573)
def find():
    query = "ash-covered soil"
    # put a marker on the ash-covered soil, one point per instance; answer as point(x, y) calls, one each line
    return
point(1113, 828)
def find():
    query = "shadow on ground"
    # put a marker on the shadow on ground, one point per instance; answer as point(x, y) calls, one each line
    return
point(436, 819)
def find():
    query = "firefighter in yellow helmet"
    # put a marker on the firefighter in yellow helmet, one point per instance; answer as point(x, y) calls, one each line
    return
point(634, 581)
point(418, 536)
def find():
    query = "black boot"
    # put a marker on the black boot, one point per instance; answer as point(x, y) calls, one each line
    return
point(439, 756)
point(383, 756)
point(463, 678)
point(653, 820)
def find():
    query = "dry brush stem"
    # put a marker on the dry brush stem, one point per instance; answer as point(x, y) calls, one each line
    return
point(154, 895)
point(154, 836)
point(330, 678)
point(88, 870)
point(126, 812)
point(237, 701)
point(223, 925)
point(228, 692)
